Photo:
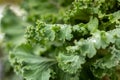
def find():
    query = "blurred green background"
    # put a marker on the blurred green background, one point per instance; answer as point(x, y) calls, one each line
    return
point(10, 1)
point(6, 71)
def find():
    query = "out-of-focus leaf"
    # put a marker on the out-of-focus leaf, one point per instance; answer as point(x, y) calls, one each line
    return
point(13, 27)
point(30, 66)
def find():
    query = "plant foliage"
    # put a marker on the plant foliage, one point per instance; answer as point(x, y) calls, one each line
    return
point(72, 40)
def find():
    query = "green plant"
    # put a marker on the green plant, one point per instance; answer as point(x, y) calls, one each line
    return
point(13, 27)
point(83, 45)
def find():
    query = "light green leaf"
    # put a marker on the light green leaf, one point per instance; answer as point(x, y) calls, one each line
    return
point(46, 33)
point(107, 62)
point(117, 43)
point(105, 65)
point(93, 24)
point(99, 39)
point(71, 63)
point(83, 47)
point(49, 33)
point(65, 32)
point(31, 67)
point(114, 16)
